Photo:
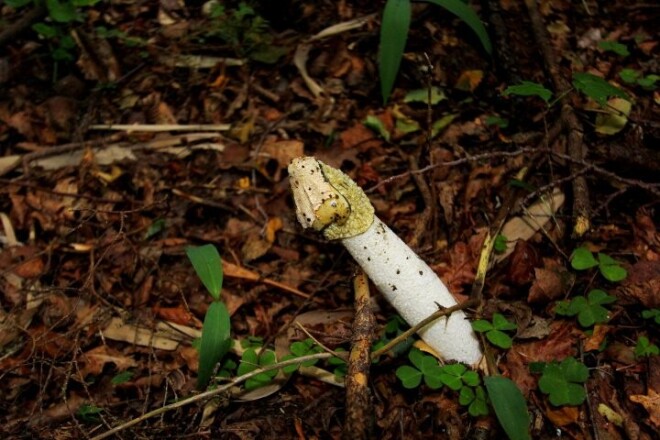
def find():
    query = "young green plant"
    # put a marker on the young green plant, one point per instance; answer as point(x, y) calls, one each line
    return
point(563, 382)
point(216, 339)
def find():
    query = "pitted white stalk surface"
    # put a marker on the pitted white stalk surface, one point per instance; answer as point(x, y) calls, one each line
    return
point(329, 201)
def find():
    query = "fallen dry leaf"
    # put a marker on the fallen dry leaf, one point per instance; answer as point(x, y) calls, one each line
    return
point(651, 402)
point(94, 361)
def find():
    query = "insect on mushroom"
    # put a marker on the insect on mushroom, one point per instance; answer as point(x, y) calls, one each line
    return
point(329, 201)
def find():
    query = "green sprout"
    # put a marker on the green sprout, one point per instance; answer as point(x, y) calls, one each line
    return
point(495, 330)
point(563, 382)
point(250, 361)
point(653, 314)
point(216, 339)
point(583, 259)
point(589, 310)
point(298, 349)
point(645, 348)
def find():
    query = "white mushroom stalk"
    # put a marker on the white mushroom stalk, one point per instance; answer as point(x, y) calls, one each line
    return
point(328, 201)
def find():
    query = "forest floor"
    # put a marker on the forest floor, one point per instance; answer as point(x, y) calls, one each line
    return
point(100, 306)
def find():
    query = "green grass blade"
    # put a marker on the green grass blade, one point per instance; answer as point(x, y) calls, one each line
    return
point(208, 265)
point(510, 407)
point(215, 341)
point(393, 36)
point(467, 14)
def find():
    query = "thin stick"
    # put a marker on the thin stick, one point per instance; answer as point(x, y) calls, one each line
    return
point(162, 127)
point(411, 331)
point(210, 393)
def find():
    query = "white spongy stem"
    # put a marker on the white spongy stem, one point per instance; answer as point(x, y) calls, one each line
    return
point(414, 290)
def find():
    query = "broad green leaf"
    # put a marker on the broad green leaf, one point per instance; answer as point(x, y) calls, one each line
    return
point(376, 124)
point(596, 87)
point(393, 36)
point(613, 46)
point(496, 120)
point(653, 314)
point(479, 406)
point(529, 88)
point(582, 258)
point(499, 246)
point(499, 339)
point(471, 378)
point(510, 407)
point(422, 95)
point(645, 348)
point(481, 325)
point(208, 265)
point(452, 376)
point(466, 396)
point(501, 323)
point(569, 394)
point(61, 12)
point(599, 297)
point(215, 341)
point(648, 82)
point(610, 268)
point(629, 76)
point(577, 305)
point(563, 382)
point(122, 377)
point(433, 374)
point(44, 29)
point(410, 377)
point(17, 3)
point(574, 371)
point(467, 14)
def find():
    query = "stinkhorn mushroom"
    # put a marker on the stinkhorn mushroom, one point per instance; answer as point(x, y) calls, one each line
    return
point(329, 201)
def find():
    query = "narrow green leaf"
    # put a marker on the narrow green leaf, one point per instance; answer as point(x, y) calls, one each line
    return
point(422, 95)
point(208, 265)
point(215, 341)
point(510, 407)
point(393, 36)
point(376, 124)
point(467, 14)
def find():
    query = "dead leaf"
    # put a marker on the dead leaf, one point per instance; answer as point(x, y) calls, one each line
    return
point(95, 360)
point(596, 339)
point(522, 263)
point(563, 416)
point(536, 217)
point(273, 225)
point(651, 402)
point(469, 80)
point(642, 284)
point(550, 283)
point(179, 315)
